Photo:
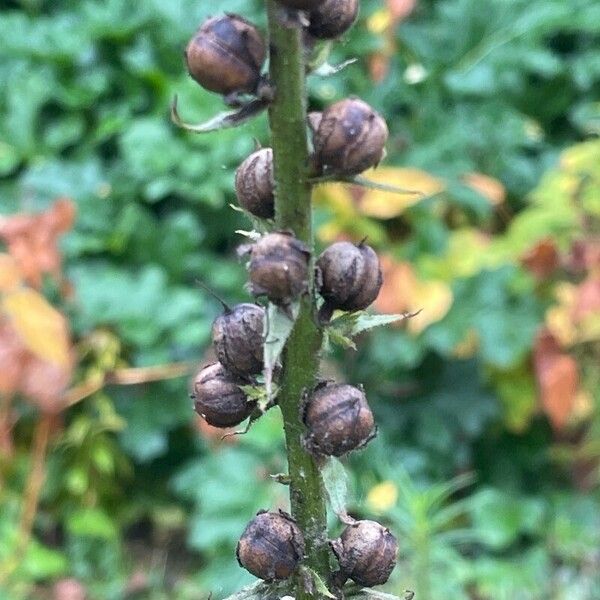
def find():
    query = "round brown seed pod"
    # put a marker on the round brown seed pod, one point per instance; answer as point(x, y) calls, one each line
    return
point(254, 184)
point(300, 4)
point(366, 552)
point(271, 546)
point(350, 138)
point(238, 339)
point(332, 18)
point(226, 55)
point(218, 397)
point(338, 420)
point(350, 276)
point(279, 267)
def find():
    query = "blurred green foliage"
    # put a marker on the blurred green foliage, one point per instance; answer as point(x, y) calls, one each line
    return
point(501, 88)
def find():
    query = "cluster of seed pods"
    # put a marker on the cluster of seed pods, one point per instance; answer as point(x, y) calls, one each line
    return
point(226, 56)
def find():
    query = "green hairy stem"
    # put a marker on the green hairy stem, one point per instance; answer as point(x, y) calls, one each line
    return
point(287, 118)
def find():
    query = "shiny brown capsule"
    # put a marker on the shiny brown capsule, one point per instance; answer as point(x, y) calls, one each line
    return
point(279, 267)
point(350, 276)
point(218, 397)
point(366, 552)
point(338, 420)
point(226, 55)
point(254, 184)
point(271, 547)
point(332, 18)
point(238, 339)
point(350, 138)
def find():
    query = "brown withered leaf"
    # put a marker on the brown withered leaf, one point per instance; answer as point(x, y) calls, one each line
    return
point(587, 298)
point(10, 275)
point(557, 379)
point(44, 384)
point(32, 240)
point(542, 259)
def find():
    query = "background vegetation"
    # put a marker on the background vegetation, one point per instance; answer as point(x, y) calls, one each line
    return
point(486, 465)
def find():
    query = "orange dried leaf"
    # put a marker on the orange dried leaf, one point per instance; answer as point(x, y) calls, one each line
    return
point(387, 205)
point(557, 379)
point(400, 9)
point(13, 356)
point(44, 384)
point(10, 276)
point(42, 329)
point(487, 186)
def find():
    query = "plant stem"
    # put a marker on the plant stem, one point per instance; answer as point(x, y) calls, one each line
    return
point(293, 210)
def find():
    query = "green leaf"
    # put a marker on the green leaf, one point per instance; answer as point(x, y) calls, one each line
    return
point(335, 479)
point(351, 324)
point(319, 583)
point(91, 522)
point(278, 326)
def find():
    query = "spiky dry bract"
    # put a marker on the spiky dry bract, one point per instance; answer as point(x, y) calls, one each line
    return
point(218, 397)
point(254, 184)
point(238, 339)
point(226, 55)
point(271, 546)
point(366, 552)
point(350, 138)
point(338, 419)
point(350, 276)
point(332, 18)
point(300, 4)
point(279, 267)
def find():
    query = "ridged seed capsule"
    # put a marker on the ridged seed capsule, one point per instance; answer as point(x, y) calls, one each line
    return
point(271, 547)
point(218, 397)
point(338, 420)
point(226, 55)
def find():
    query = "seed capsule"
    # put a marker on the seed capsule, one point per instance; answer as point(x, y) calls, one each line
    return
point(279, 267)
point(350, 276)
point(366, 552)
point(226, 55)
point(238, 339)
point(338, 420)
point(350, 138)
point(300, 4)
point(254, 184)
point(332, 18)
point(218, 397)
point(271, 546)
